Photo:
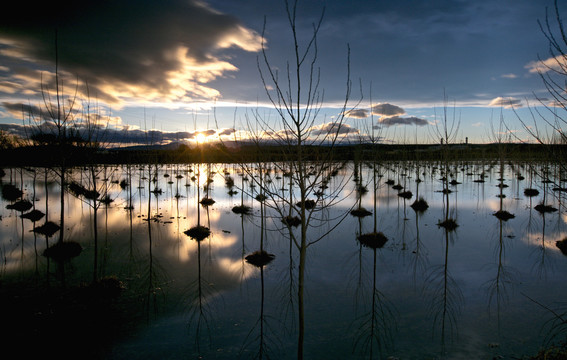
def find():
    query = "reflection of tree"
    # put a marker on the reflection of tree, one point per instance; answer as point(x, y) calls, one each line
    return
point(199, 290)
point(419, 252)
point(296, 98)
point(496, 288)
point(446, 296)
point(377, 326)
point(198, 307)
point(260, 259)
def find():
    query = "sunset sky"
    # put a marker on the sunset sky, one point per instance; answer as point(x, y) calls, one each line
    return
point(182, 66)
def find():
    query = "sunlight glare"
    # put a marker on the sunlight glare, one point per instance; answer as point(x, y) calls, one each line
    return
point(200, 138)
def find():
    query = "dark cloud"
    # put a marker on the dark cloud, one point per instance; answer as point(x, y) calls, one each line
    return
point(386, 109)
point(333, 128)
point(357, 113)
point(114, 136)
point(397, 120)
point(159, 50)
point(209, 132)
point(19, 110)
point(226, 132)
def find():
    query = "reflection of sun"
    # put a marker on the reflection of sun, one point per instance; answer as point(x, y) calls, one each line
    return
point(200, 138)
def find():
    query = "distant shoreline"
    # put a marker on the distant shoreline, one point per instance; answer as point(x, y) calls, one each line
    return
point(73, 155)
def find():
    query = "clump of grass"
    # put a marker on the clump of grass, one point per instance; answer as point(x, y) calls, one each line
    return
point(34, 215)
point(309, 204)
point(11, 192)
point(241, 209)
point(531, 192)
point(232, 192)
point(20, 205)
point(291, 221)
point(542, 208)
point(449, 224)
point(47, 229)
point(207, 201)
point(554, 352)
point(373, 240)
point(405, 194)
point(360, 212)
point(260, 258)
point(420, 205)
point(198, 232)
point(64, 250)
point(504, 215)
point(562, 245)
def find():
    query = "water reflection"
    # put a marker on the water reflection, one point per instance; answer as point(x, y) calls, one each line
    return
point(230, 288)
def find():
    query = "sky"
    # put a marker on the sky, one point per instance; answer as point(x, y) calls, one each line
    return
point(179, 68)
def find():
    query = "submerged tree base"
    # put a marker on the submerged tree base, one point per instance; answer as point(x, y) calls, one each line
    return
point(20, 205)
point(34, 215)
point(360, 212)
point(260, 258)
point(406, 194)
point(504, 215)
point(63, 251)
point(562, 245)
point(47, 229)
point(373, 240)
point(531, 192)
point(242, 209)
point(206, 201)
point(291, 221)
point(448, 224)
point(198, 232)
point(545, 208)
point(420, 205)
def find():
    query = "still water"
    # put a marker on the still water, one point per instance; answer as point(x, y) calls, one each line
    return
point(483, 290)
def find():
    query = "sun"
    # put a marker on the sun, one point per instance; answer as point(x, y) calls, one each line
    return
point(200, 138)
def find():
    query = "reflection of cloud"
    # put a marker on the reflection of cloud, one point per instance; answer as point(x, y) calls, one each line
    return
point(549, 242)
point(396, 120)
point(386, 109)
point(167, 50)
point(506, 102)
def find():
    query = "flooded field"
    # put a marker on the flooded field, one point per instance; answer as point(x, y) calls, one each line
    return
point(159, 264)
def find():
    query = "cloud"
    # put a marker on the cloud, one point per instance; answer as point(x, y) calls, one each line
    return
point(509, 76)
point(397, 120)
point(331, 128)
point(207, 133)
point(226, 132)
point(386, 109)
point(357, 113)
point(557, 63)
point(114, 136)
point(157, 51)
point(506, 102)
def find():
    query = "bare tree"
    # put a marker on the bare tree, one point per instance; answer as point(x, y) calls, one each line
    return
point(298, 137)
